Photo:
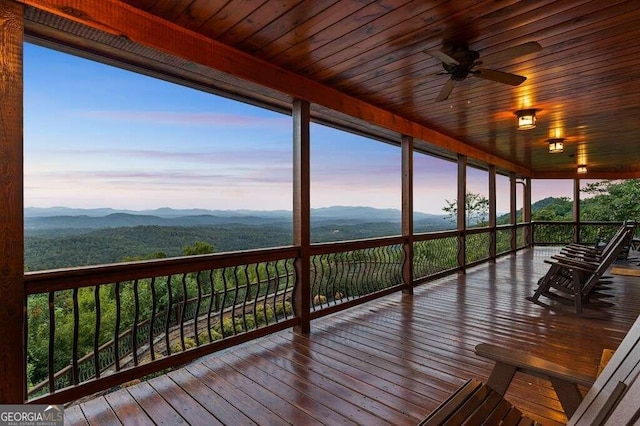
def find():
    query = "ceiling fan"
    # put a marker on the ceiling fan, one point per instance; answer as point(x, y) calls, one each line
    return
point(462, 62)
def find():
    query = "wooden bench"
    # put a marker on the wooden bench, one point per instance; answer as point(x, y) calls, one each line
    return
point(612, 398)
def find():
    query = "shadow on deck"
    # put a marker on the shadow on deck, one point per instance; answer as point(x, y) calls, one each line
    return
point(391, 361)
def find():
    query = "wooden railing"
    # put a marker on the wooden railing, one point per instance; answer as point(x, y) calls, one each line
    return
point(160, 314)
point(435, 254)
point(348, 273)
point(561, 233)
point(503, 239)
point(92, 328)
point(477, 245)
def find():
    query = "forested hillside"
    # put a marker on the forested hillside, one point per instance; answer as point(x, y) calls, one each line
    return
point(61, 237)
point(101, 236)
point(53, 250)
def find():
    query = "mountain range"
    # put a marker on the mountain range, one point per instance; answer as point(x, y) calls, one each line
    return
point(36, 218)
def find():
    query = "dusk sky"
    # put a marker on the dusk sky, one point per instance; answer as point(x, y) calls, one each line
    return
point(98, 136)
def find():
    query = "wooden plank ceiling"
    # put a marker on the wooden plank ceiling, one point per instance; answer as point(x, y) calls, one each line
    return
point(585, 81)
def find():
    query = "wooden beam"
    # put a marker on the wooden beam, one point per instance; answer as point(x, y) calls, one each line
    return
point(526, 207)
point(513, 213)
point(526, 212)
point(12, 296)
point(120, 19)
point(302, 213)
point(462, 210)
point(576, 211)
point(492, 212)
point(407, 213)
point(590, 175)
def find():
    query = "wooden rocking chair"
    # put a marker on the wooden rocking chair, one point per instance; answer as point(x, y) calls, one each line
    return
point(573, 279)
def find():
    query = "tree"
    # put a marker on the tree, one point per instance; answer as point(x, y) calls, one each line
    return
point(151, 256)
point(476, 206)
point(613, 200)
point(198, 247)
point(553, 209)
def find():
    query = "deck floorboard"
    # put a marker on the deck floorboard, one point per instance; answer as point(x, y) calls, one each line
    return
point(391, 361)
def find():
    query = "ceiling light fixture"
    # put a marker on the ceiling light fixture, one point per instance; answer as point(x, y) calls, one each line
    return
point(526, 119)
point(582, 169)
point(556, 145)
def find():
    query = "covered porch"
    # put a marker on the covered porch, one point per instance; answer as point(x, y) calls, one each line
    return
point(390, 361)
point(368, 331)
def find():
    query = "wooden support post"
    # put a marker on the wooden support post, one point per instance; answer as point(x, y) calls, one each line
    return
point(492, 213)
point(576, 211)
point(526, 213)
point(513, 211)
point(407, 213)
point(302, 214)
point(462, 211)
point(12, 295)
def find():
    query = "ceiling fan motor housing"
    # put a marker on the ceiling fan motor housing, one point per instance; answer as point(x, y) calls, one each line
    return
point(466, 59)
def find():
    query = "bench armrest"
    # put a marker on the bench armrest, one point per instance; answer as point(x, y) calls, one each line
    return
point(565, 382)
point(532, 364)
point(568, 264)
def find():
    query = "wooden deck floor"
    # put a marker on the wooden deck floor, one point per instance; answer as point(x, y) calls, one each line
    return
point(388, 362)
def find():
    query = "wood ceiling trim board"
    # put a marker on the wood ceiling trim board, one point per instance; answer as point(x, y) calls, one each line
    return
point(378, 59)
point(590, 175)
point(306, 48)
point(538, 62)
point(197, 13)
point(308, 29)
point(227, 17)
point(125, 21)
point(145, 5)
point(289, 21)
point(169, 9)
point(587, 109)
point(550, 54)
point(604, 21)
point(477, 112)
point(583, 77)
point(558, 16)
point(417, 50)
point(261, 17)
point(372, 33)
point(560, 36)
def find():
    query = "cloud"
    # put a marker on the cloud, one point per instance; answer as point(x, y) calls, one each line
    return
point(189, 118)
point(164, 178)
point(239, 157)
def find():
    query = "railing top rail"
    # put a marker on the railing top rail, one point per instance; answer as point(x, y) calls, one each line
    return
point(336, 247)
point(478, 230)
point(426, 236)
point(69, 278)
point(582, 222)
point(504, 226)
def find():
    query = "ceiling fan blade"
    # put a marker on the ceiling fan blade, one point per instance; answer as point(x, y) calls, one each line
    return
point(512, 52)
point(499, 76)
point(443, 57)
point(446, 90)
